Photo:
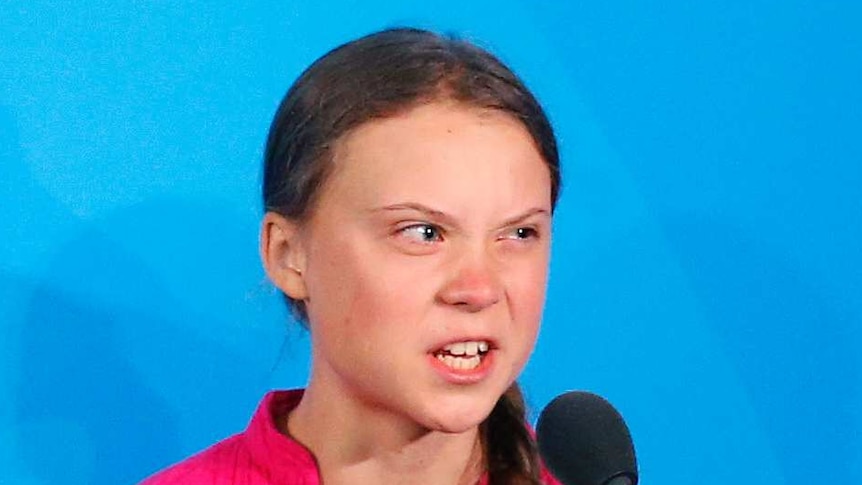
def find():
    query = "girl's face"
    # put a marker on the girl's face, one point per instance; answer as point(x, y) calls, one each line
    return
point(424, 263)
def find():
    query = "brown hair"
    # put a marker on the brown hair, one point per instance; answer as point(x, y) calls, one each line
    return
point(378, 76)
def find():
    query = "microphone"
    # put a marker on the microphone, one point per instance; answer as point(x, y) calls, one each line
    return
point(584, 441)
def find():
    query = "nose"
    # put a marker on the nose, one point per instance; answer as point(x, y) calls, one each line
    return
point(474, 285)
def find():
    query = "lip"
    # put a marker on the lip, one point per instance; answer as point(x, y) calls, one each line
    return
point(464, 376)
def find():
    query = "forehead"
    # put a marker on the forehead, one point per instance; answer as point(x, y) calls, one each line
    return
point(428, 135)
point(469, 162)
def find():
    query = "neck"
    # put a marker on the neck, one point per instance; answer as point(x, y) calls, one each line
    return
point(355, 443)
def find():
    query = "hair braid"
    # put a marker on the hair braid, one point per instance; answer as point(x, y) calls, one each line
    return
point(511, 453)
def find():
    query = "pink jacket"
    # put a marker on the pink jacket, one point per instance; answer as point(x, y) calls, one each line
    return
point(260, 455)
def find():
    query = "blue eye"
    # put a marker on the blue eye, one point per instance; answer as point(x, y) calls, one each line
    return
point(425, 233)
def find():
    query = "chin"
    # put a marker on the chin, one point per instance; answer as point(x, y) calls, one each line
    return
point(458, 417)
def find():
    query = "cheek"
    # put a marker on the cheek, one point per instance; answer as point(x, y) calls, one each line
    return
point(359, 292)
point(333, 278)
point(527, 301)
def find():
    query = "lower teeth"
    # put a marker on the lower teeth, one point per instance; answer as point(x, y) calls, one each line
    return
point(461, 363)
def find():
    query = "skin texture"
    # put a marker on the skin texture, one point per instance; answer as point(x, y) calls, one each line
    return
point(433, 228)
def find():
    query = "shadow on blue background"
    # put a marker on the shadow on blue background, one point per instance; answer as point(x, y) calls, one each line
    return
point(84, 414)
point(79, 403)
point(98, 308)
point(792, 345)
point(74, 375)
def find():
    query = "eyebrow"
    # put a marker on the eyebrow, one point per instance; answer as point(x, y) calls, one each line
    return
point(526, 215)
point(415, 206)
point(446, 218)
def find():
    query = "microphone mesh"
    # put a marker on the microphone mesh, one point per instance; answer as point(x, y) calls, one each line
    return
point(584, 440)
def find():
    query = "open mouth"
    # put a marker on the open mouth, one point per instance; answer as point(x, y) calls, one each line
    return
point(463, 355)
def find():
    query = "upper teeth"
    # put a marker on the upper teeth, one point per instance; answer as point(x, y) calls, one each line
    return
point(467, 348)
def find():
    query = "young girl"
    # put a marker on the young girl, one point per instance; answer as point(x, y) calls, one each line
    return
point(409, 183)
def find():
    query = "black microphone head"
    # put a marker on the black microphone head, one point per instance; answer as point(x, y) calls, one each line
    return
point(584, 441)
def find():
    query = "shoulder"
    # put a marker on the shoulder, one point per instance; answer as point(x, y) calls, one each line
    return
point(211, 466)
point(254, 457)
point(548, 479)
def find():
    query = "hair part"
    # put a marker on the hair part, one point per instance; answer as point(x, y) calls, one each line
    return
point(382, 75)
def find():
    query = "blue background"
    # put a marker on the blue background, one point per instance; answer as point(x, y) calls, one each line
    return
point(706, 269)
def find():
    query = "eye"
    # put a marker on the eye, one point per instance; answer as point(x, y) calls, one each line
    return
point(423, 233)
point(526, 233)
point(521, 234)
